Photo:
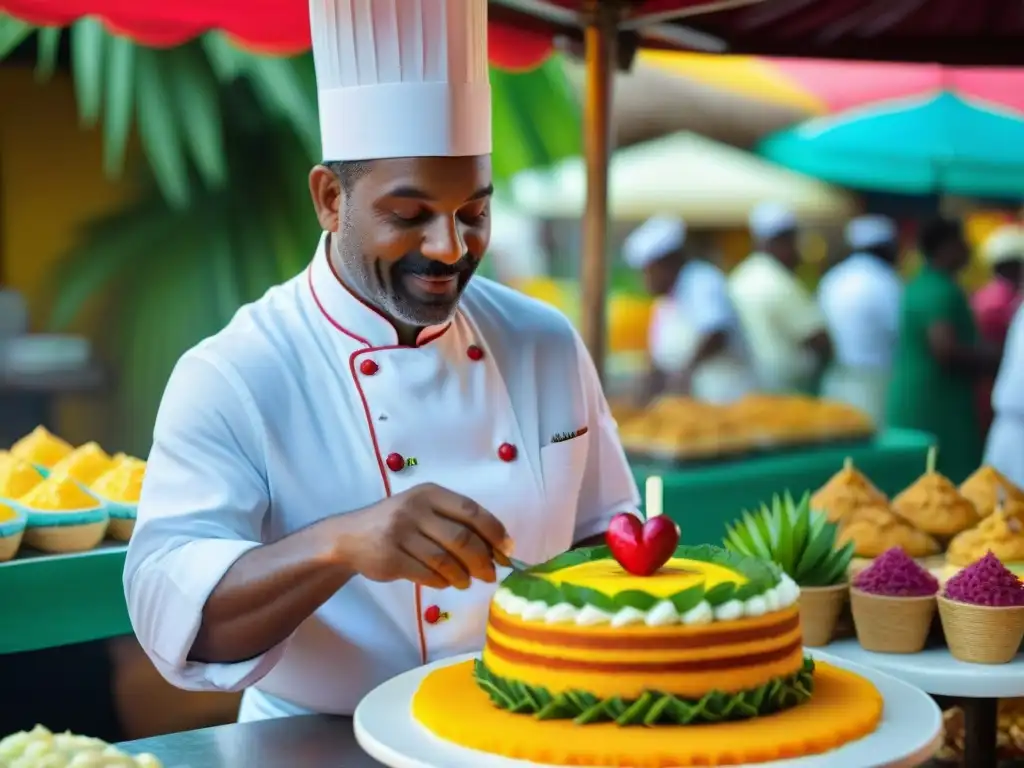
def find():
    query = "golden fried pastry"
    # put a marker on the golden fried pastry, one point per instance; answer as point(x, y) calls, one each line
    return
point(874, 529)
point(1001, 533)
point(934, 505)
point(845, 492)
point(985, 488)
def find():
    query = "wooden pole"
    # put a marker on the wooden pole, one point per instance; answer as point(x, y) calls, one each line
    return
point(600, 40)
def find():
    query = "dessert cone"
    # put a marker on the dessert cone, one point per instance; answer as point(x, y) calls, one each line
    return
point(820, 608)
point(934, 505)
point(1001, 533)
point(891, 624)
point(981, 634)
point(874, 529)
point(987, 488)
point(845, 492)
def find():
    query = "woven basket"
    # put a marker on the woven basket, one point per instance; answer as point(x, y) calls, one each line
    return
point(980, 633)
point(9, 546)
point(819, 611)
point(891, 624)
point(61, 539)
point(121, 528)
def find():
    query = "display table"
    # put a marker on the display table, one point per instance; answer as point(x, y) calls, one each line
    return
point(978, 688)
point(53, 600)
point(703, 498)
point(297, 742)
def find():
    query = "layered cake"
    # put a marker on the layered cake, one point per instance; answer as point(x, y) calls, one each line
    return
point(710, 636)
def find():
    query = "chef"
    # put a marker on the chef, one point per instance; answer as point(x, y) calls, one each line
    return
point(783, 323)
point(1006, 437)
point(695, 341)
point(860, 298)
point(332, 474)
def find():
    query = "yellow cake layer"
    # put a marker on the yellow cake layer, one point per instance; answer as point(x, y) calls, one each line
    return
point(548, 641)
point(677, 574)
point(844, 707)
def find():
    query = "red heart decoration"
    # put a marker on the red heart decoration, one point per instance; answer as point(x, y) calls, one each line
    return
point(642, 548)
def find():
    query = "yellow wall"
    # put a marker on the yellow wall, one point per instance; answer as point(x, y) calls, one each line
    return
point(51, 184)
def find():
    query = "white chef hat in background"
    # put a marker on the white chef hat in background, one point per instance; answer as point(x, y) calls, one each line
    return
point(1003, 245)
point(870, 231)
point(401, 78)
point(654, 239)
point(771, 219)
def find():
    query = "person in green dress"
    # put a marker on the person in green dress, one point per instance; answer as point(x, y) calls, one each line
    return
point(939, 356)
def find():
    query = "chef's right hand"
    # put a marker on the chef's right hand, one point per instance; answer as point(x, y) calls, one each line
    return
point(428, 535)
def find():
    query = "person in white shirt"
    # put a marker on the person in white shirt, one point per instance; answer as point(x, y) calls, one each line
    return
point(334, 475)
point(1004, 448)
point(860, 298)
point(695, 341)
point(783, 323)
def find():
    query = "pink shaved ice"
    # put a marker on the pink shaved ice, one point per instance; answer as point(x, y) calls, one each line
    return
point(986, 582)
point(895, 574)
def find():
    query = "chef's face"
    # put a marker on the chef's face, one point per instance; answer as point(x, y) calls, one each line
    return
point(410, 232)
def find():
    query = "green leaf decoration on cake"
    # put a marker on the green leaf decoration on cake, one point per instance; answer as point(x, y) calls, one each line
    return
point(652, 708)
point(761, 575)
point(801, 541)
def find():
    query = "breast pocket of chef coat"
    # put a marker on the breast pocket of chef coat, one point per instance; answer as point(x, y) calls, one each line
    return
point(562, 468)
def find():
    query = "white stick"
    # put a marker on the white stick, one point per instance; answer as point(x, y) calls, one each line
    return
point(654, 492)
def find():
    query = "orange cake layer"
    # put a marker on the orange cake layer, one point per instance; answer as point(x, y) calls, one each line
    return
point(844, 707)
point(687, 661)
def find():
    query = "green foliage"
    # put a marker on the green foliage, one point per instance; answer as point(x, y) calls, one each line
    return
point(800, 540)
point(227, 138)
point(653, 707)
point(530, 585)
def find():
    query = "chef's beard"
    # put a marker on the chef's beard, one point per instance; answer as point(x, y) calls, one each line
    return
point(383, 285)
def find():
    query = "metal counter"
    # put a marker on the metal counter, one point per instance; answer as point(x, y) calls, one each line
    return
point(314, 741)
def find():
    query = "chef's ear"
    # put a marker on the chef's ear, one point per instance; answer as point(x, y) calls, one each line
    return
point(326, 191)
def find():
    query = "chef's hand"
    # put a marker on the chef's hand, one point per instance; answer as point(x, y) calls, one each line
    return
point(427, 534)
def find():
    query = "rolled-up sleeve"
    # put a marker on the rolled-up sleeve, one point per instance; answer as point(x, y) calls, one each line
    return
point(203, 505)
point(608, 486)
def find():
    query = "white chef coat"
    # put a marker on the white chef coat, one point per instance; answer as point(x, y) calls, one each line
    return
point(1004, 449)
point(281, 420)
point(778, 315)
point(699, 305)
point(860, 299)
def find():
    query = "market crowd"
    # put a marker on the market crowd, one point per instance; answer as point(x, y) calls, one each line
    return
point(917, 352)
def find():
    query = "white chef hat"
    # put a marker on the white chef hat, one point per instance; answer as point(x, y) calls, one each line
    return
point(654, 239)
point(1005, 244)
point(771, 219)
point(401, 78)
point(870, 231)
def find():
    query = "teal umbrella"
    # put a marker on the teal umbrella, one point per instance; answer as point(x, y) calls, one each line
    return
point(935, 143)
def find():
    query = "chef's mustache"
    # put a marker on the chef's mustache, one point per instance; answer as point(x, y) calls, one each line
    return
point(420, 265)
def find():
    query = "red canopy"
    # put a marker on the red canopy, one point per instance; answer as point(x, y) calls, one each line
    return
point(948, 31)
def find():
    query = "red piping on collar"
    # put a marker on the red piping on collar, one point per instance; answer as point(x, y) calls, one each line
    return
point(418, 603)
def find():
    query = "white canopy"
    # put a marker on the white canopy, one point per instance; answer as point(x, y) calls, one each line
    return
point(707, 183)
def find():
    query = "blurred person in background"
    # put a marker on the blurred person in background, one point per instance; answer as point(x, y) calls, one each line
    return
point(695, 340)
point(939, 357)
point(1003, 449)
point(783, 324)
point(996, 303)
point(860, 298)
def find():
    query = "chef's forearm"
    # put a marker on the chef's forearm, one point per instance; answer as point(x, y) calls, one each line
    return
point(267, 593)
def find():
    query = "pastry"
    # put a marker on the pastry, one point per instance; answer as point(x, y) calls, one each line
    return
point(934, 505)
point(1001, 533)
point(120, 489)
point(845, 492)
point(874, 529)
point(12, 528)
point(63, 516)
point(41, 448)
point(17, 477)
point(84, 464)
point(986, 487)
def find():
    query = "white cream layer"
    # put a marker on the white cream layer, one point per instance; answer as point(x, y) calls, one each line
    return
point(661, 614)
